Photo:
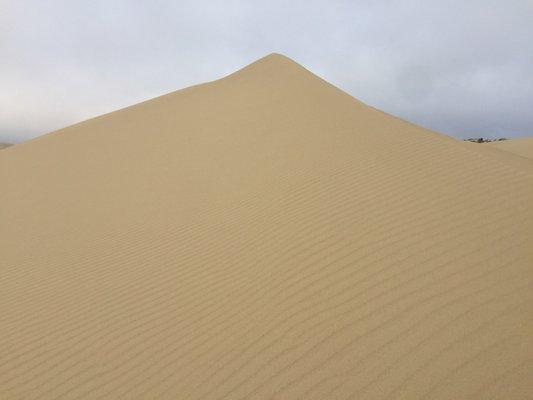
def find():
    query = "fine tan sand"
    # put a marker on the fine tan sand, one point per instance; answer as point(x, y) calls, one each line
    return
point(263, 236)
point(521, 146)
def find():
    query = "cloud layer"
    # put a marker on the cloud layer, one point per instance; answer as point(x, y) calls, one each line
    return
point(462, 68)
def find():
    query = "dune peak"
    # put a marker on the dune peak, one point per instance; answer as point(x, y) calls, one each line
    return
point(276, 57)
point(274, 63)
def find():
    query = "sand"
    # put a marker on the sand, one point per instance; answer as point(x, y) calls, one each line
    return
point(4, 145)
point(521, 146)
point(263, 236)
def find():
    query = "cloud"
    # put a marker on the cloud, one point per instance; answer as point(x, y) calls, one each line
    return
point(463, 68)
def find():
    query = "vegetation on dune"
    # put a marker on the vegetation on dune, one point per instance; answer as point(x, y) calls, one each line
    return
point(483, 140)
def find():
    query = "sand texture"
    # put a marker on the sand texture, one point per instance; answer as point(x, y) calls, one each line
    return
point(521, 146)
point(263, 236)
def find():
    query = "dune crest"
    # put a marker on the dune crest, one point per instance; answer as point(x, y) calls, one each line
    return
point(263, 236)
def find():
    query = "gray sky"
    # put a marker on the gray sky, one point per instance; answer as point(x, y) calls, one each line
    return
point(460, 67)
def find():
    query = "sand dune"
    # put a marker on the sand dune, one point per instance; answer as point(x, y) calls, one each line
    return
point(521, 146)
point(263, 236)
point(4, 145)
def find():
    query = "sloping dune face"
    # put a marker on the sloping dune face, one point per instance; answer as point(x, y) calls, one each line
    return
point(264, 236)
point(522, 146)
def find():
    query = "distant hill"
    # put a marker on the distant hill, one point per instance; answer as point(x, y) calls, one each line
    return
point(520, 146)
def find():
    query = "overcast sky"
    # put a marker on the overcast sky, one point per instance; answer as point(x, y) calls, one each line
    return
point(464, 68)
